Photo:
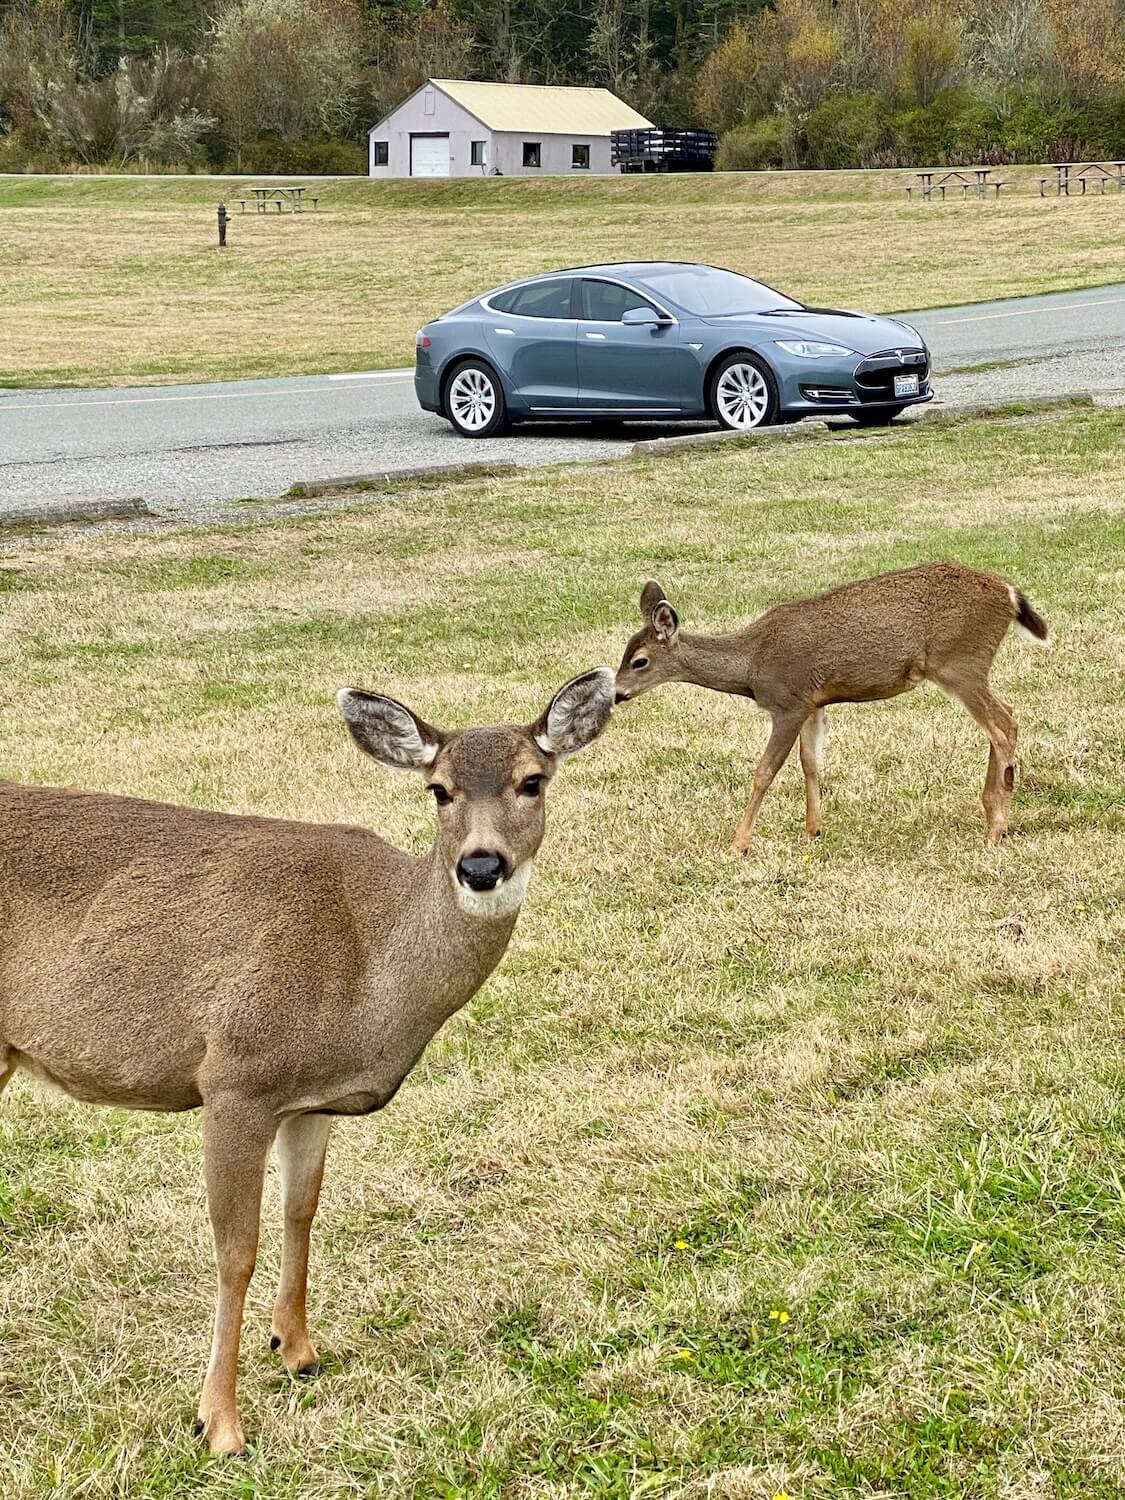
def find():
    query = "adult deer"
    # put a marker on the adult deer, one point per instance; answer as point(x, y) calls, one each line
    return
point(275, 973)
point(873, 639)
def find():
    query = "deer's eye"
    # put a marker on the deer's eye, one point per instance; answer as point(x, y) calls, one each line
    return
point(442, 795)
point(529, 786)
point(639, 663)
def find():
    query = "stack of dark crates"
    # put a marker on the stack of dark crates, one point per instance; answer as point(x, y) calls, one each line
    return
point(664, 149)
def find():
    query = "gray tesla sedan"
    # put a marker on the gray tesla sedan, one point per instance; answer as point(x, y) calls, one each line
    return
point(661, 340)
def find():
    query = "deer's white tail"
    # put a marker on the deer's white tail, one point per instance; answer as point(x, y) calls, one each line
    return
point(1028, 621)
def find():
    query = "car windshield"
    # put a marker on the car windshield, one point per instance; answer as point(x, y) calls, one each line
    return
point(711, 293)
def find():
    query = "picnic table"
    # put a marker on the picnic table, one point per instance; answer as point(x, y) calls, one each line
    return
point(977, 184)
point(272, 193)
point(1077, 174)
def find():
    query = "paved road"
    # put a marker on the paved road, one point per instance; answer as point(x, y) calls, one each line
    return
point(180, 447)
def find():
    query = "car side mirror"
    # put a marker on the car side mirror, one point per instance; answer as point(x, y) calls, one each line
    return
point(640, 317)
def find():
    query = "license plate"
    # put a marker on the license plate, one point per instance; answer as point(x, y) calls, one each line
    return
point(906, 385)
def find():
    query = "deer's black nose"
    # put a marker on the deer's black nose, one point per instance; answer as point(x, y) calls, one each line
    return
point(480, 872)
point(621, 697)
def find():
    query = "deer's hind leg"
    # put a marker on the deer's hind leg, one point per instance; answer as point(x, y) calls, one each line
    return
point(301, 1144)
point(785, 730)
point(814, 736)
point(995, 717)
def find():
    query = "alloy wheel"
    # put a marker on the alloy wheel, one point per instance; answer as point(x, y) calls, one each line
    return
point(742, 396)
point(472, 400)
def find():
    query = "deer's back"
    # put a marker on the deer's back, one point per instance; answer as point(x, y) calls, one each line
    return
point(135, 936)
point(879, 636)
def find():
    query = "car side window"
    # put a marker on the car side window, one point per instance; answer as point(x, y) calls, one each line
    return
point(541, 299)
point(606, 302)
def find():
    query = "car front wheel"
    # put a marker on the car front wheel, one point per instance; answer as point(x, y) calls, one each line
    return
point(474, 401)
point(742, 393)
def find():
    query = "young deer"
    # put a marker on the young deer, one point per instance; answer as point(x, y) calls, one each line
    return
point(275, 973)
point(873, 639)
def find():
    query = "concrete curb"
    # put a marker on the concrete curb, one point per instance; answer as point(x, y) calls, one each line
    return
point(1016, 407)
point(392, 479)
point(74, 512)
point(657, 446)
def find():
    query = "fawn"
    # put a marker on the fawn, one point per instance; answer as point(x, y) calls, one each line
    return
point(872, 639)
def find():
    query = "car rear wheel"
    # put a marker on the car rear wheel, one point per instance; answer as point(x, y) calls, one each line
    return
point(877, 416)
point(474, 400)
point(742, 393)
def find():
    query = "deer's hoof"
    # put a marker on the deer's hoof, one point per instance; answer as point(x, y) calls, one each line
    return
point(309, 1371)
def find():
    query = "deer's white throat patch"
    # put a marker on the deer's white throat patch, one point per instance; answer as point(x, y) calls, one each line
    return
point(501, 901)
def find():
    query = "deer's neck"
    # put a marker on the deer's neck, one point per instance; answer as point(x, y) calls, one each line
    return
point(722, 662)
point(435, 959)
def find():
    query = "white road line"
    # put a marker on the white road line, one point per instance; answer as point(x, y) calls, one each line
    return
point(309, 390)
point(1029, 312)
point(374, 375)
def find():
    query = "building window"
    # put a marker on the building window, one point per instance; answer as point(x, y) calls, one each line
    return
point(580, 156)
point(477, 156)
point(532, 153)
point(379, 156)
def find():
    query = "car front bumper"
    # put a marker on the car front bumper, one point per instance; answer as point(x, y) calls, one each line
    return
point(852, 384)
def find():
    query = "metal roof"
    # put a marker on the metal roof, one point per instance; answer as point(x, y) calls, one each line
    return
point(532, 108)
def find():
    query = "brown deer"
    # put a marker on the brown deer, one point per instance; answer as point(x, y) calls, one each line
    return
point(275, 973)
point(872, 639)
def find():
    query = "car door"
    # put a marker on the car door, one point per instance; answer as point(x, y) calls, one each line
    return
point(628, 368)
point(531, 331)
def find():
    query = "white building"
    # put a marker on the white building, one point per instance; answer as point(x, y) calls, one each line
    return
point(449, 128)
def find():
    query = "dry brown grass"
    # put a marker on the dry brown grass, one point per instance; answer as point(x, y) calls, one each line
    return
point(117, 281)
point(874, 1085)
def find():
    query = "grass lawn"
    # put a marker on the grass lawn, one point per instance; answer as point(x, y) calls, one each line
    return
point(799, 1174)
point(119, 280)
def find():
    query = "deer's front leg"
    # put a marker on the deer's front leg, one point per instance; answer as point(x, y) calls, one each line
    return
point(236, 1142)
point(301, 1144)
point(785, 730)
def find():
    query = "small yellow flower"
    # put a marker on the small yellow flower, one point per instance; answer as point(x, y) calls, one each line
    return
point(782, 1495)
point(680, 1245)
point(1080, 906)
point(779, 1315)
point(683, 1354)
point(397, 630)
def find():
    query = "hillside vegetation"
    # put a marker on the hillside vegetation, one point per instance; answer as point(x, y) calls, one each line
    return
point(292, 85)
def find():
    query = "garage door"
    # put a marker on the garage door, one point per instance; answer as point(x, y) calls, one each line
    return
point(429, 156)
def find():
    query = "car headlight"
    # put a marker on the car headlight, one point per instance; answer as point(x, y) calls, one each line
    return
point(809, 349)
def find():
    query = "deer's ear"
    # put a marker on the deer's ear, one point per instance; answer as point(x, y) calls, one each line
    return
point(665, 621)
point(577, 714)
point(651, 596)
point(388, 731)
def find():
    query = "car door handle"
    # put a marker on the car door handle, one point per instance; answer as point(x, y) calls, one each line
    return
point(595, 335)
point(511, 332)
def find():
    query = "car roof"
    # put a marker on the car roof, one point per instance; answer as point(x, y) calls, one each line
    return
point(635, 268)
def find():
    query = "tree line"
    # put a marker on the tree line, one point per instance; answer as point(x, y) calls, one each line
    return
point(292, 85)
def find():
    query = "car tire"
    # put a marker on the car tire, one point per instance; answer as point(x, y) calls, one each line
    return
point(743, 394)
point(879, 416)
point(474, 400)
